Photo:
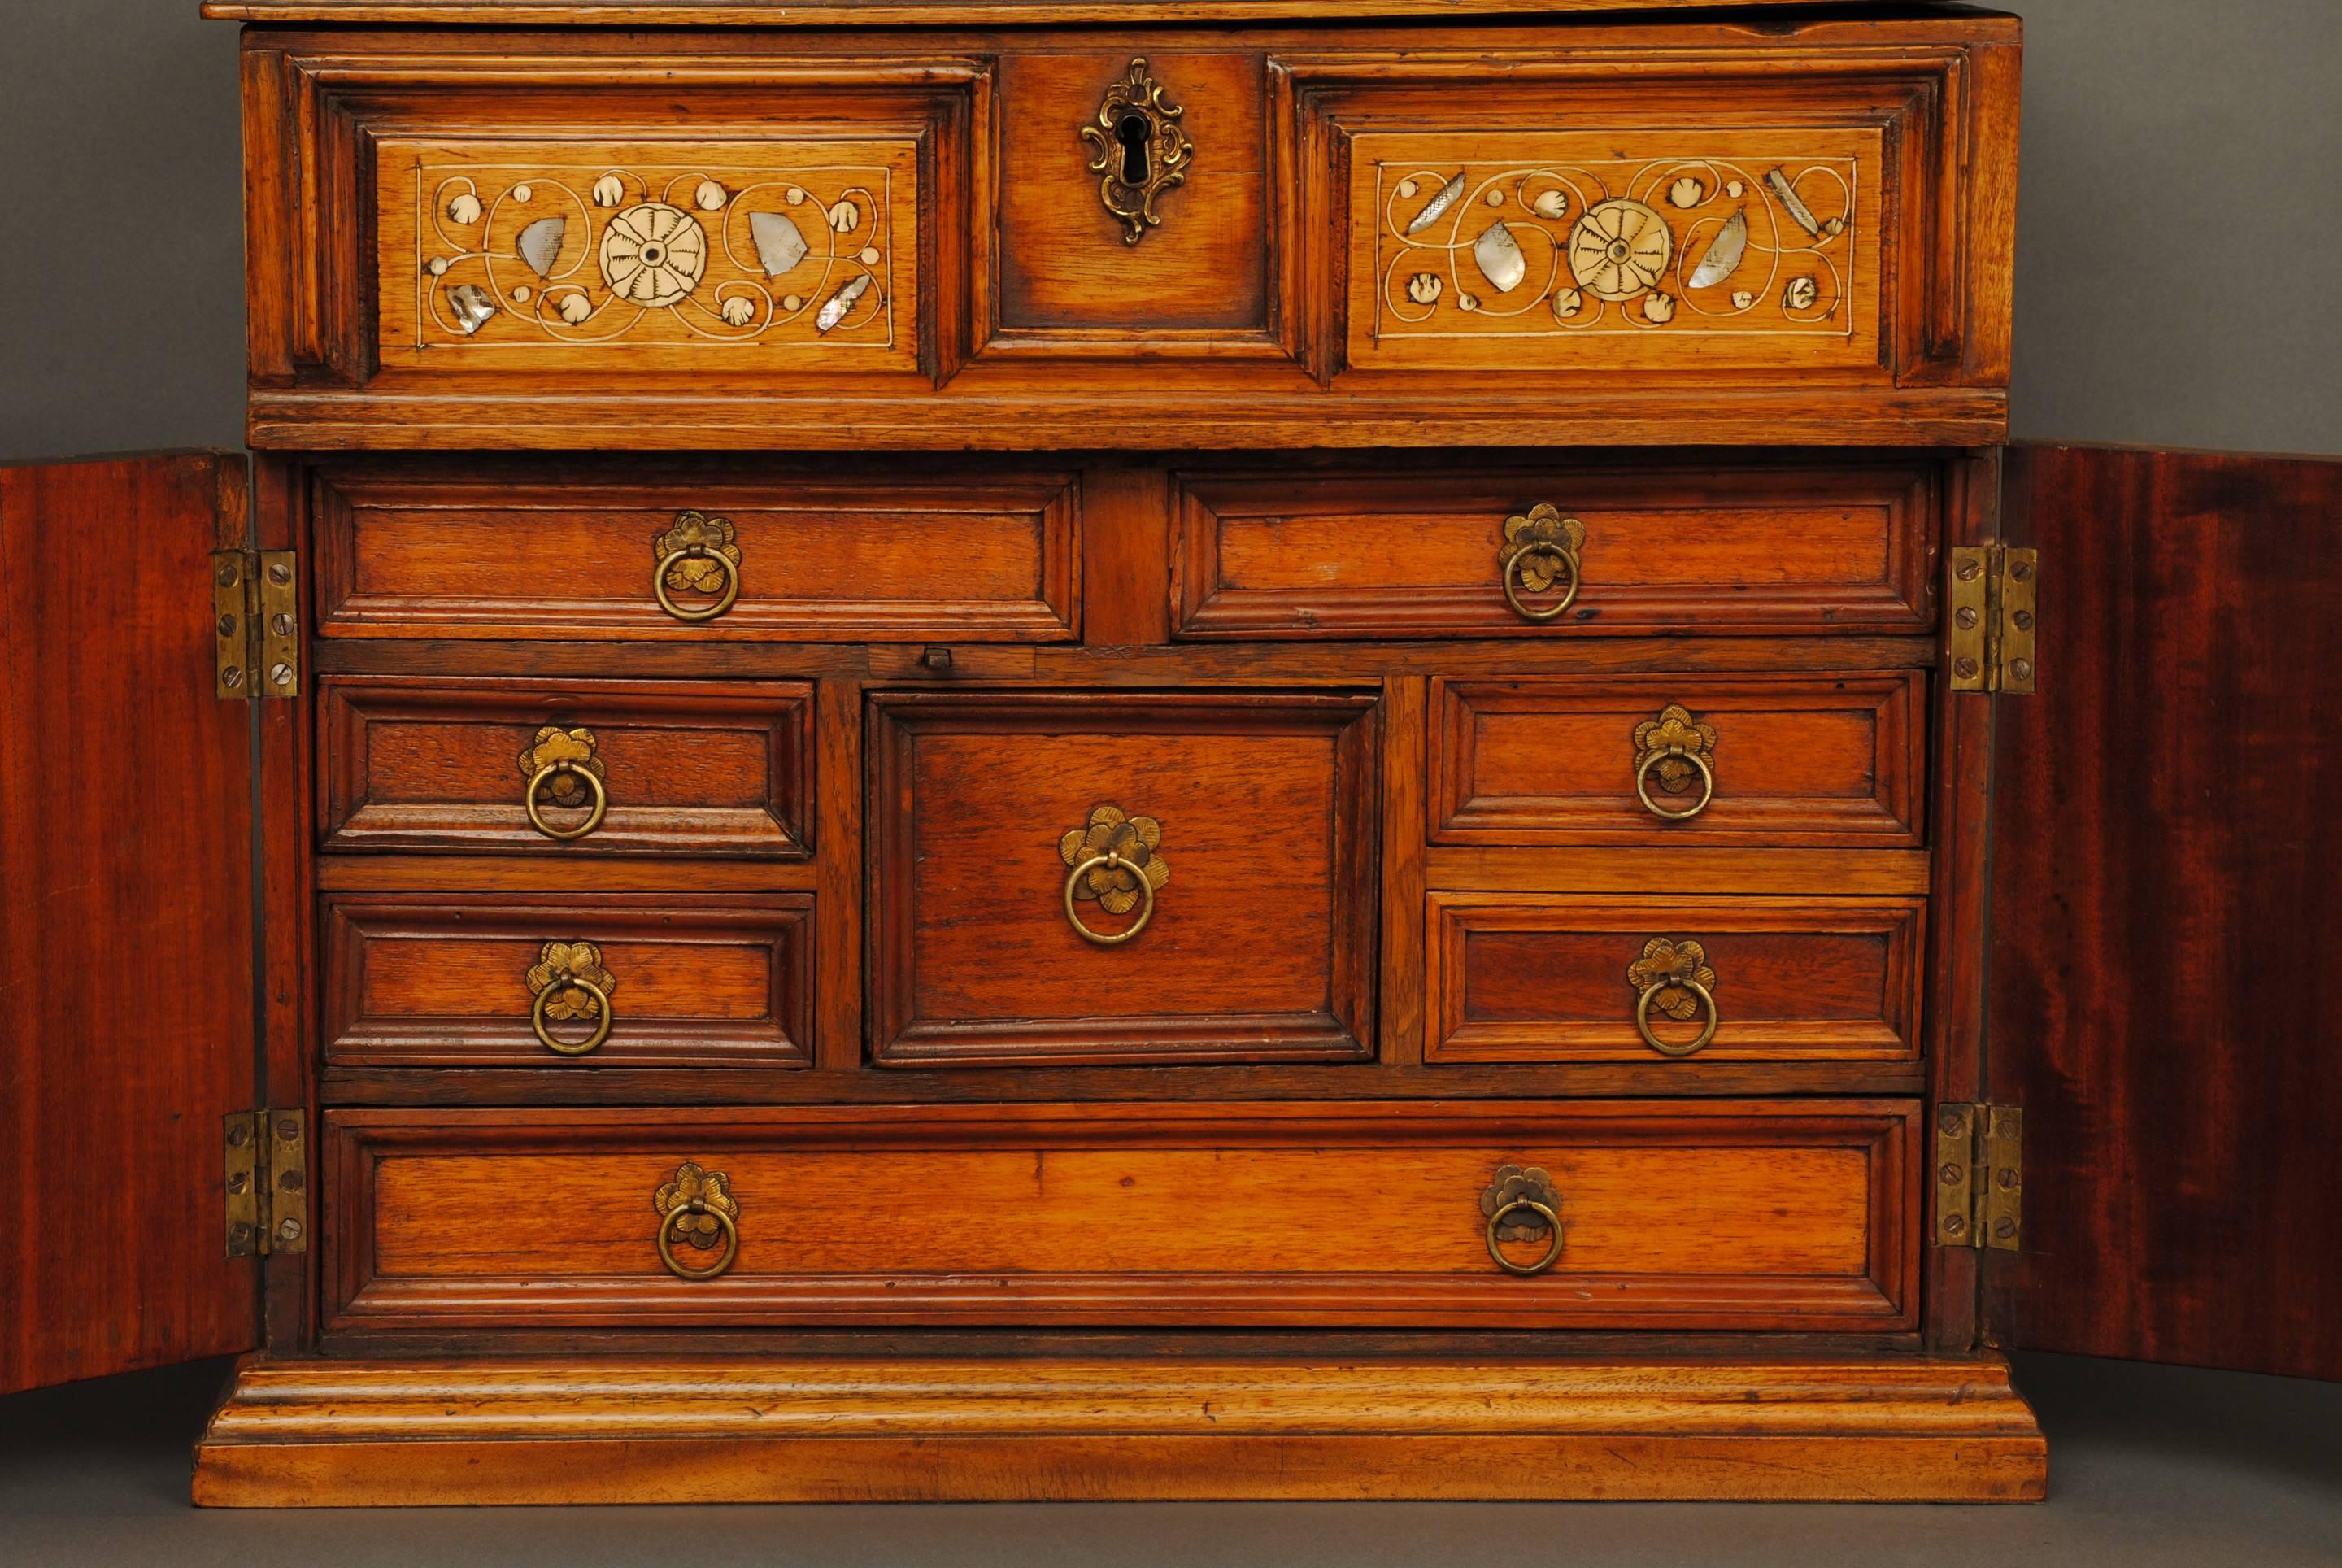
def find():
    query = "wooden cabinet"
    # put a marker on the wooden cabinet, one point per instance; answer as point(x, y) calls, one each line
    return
point(971, 752)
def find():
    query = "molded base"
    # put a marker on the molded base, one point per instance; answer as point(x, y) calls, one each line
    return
point(606, 1429)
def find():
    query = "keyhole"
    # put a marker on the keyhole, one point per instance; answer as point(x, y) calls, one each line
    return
point(1133, 132)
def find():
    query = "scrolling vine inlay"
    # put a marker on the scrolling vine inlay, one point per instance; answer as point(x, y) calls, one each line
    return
point(524, 254)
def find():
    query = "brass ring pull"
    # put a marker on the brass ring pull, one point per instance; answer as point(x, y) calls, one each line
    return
point(1111, 861)
point(593, 780)
point(1706, 784)
point(696, 1194)
point(538, 1021)
point(1643, 1014)
point(1568, 559)
point(1553, 1227)
point(724, 564)
point(682, 1270)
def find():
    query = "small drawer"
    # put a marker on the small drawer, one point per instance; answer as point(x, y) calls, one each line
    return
point(1122, 876)
point(493, 980)
point(1721, 1215)
point(1452, 548)
point(1804, 759)
point(467, 765)
point(712, 552)
point(1524, 977)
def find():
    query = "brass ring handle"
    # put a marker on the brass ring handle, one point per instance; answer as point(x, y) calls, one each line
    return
point(1643, 1014)
point(723, 563)
point(731, 1241)
point(1146, 891)
point(537, 1021)
point(1553, 1225)
point(1706, 785)
point(536, 781)
point(1567, 558)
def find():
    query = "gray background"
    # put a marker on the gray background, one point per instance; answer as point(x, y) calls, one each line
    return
point(2179, 266)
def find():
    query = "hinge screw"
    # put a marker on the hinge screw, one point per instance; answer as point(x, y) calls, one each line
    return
point(228, 574)
point(2024, 620)
point(238, 1182)
point(281, 673)
point(1970, 570)
point(1966, 667)
point(281, 624)
point(1950, 1174)
point(2021, 571)
point(232, 677)
point(289, 1231)
point(2008, 1180)
point(288, 1130)
point(290, 1180)
point(238, 1135)
point(279, 573)
point(1948, 1121)
point(1953, 1225)
point(2005, 1230)
point(227, 626)
point(2022, 669)
point(1968, 618)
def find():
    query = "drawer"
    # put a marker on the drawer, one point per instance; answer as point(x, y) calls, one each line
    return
point(1430, 549)
point(1720, 1214)
point(1366, 235)
point(464, 764)
point(488, 549)
point(1798, 760)
point(1218, 850)
point(1525, 977)
point(500, 980)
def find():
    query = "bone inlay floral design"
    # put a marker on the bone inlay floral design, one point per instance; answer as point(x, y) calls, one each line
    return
point(720, 256)
point(1674, 245)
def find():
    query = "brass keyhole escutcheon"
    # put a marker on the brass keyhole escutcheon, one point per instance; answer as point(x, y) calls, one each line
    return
point(1138, 149)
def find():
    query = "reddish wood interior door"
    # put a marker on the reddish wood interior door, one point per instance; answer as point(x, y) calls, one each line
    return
point(2167, 914)
point(126, 880)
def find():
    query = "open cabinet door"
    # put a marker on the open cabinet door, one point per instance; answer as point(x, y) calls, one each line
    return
point(126, 989)
point(2166, 912)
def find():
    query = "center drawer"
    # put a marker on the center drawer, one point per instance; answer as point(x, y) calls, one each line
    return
point(1101, 877)
point(1719, 1214)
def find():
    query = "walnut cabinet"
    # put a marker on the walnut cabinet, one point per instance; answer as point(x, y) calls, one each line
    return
point(1001, 749)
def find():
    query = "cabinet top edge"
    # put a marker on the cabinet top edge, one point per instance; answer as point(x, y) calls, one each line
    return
point(1051, 12)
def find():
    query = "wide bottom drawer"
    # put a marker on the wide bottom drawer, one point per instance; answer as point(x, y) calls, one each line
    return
point(1749, 1214)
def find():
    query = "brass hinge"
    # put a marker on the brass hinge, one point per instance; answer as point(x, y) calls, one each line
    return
point(267, 1182)
point(255, 623)
point(1979, 1176)
point(1993, 588)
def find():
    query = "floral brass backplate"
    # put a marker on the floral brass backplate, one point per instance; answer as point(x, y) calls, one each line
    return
point(710, 1191)
point(1551, 542)
point(703, 531)
point(1511, 1185)
point(554, 745)
point(1665, 961)
point(1135, 839)
point(1673, 737)
point(558, 963)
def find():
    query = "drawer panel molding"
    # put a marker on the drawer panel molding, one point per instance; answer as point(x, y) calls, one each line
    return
point(1726, 1214)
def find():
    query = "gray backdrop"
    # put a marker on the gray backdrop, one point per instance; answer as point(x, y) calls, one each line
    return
point(2178, 269)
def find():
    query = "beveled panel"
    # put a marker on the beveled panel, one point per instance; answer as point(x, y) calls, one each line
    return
point(1731, 545)
point(1723, 1214)
point(1261, 946)
point(1819, 760)
point(491, 548)
point(691, 767)
point(1529, 977)
point(442, 980)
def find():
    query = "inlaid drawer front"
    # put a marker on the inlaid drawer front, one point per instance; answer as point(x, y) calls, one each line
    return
point(1526, 977)
point(582, 766)
point(753, 551)
point(483, 980)
point(1448, 547)
point(1720, 1214)
point(1122, 876)
point(1734, 216)
point(1817, 759)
